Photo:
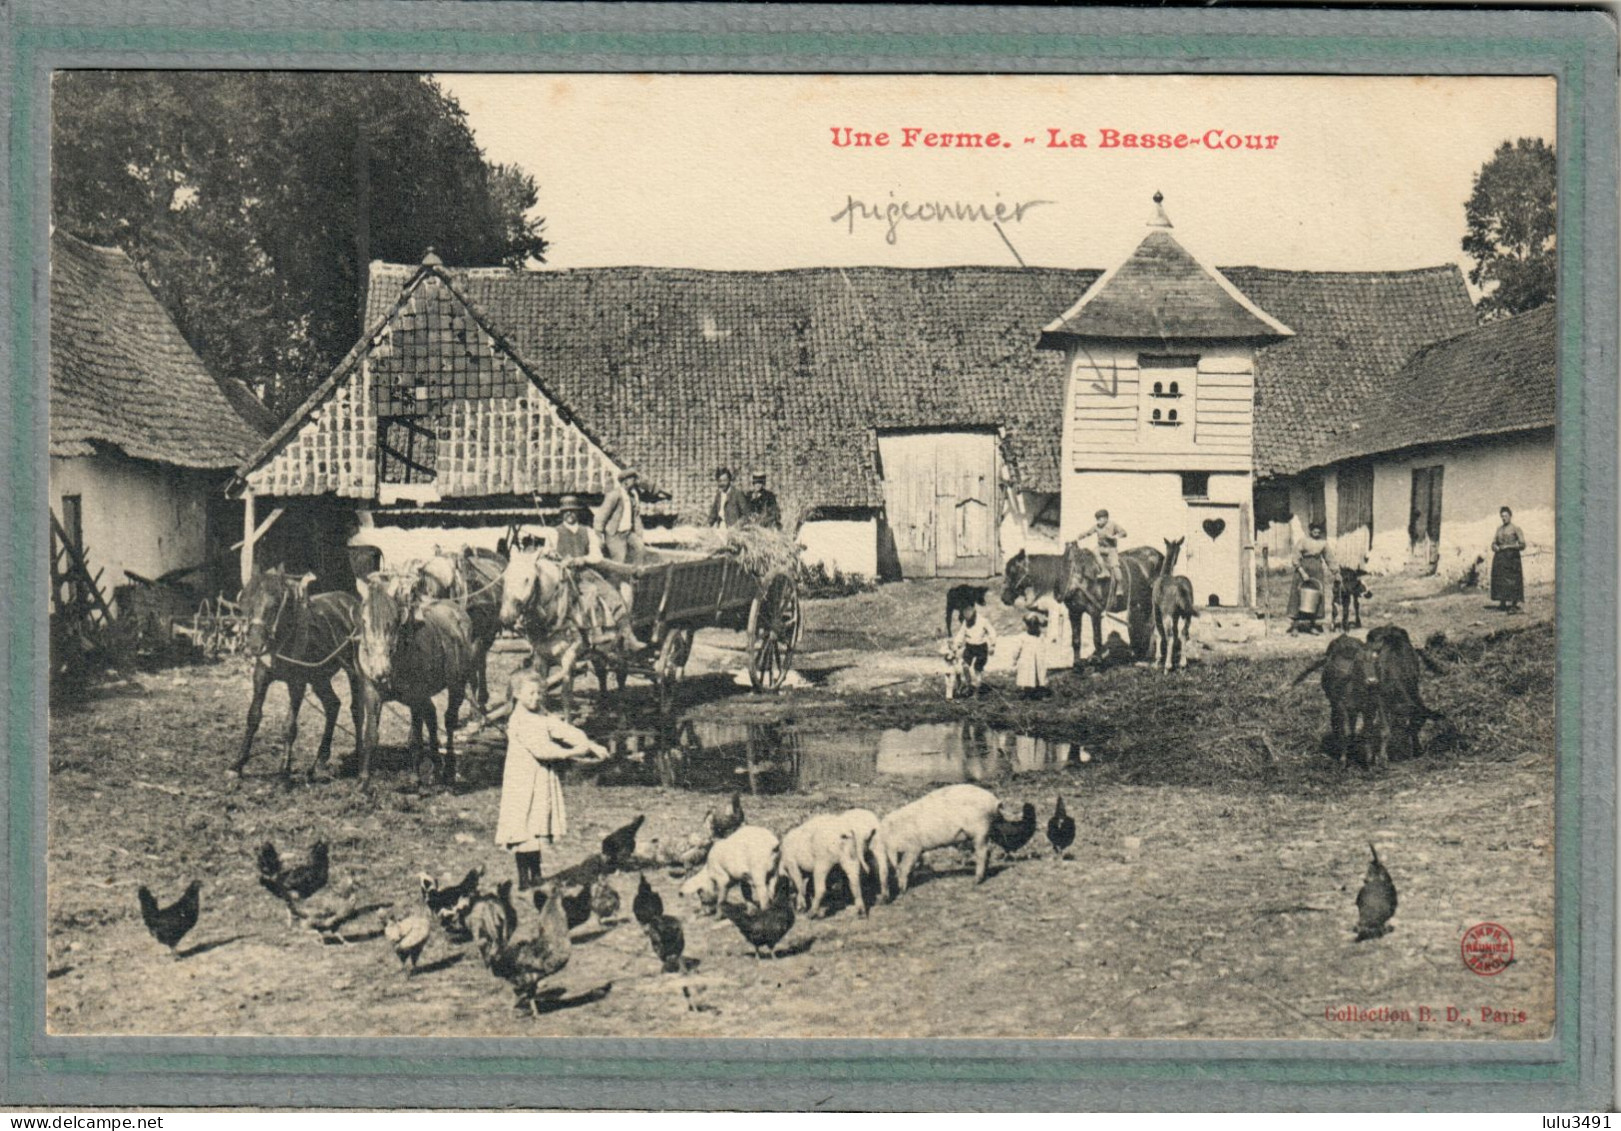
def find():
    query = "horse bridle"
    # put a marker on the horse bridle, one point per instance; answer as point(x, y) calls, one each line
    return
point(275, 625)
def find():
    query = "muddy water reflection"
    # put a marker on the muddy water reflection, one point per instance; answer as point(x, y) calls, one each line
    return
point(779, 758)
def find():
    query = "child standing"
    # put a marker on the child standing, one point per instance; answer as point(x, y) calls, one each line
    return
point(973, 644)
point(1029, 665)
point(532, 813)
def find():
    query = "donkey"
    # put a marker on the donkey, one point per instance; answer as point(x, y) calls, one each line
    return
point(409, 652)
point(472, 579)
point(551, 604)
point(301, 641)
point(1173, 605)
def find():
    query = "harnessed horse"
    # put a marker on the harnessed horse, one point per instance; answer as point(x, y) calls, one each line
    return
point(547, 602)
point(301, 641)
point(472, 579)
point(409, 652)
point(1079, 581)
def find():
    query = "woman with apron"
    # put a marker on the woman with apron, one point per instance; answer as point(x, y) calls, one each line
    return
point(1508, 578)
point(1314, 562)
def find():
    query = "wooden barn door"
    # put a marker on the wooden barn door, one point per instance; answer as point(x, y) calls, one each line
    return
point(940, 498)
point(1424, 526)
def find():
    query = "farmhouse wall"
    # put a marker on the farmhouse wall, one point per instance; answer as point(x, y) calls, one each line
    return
point(146, 517)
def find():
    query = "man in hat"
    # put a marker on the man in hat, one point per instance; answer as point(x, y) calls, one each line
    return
point(763, 508)
point(619, 521)
point(579, 545)
point(576, 542)
point(728, 508)
point(1108, 534)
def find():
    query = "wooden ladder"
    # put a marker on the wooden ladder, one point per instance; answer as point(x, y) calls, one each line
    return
point(75, 592)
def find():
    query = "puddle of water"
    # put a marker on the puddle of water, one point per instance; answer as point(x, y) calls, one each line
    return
point(761, 758)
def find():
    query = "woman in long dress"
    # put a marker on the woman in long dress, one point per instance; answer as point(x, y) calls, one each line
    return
point(1508, 578)
point(1314, 561)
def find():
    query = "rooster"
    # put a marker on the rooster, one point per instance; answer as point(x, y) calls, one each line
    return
point(766, 926)
point(647, 905)
point(576, 907)
point(619, 846)
point(669, 941)
point(170, 924)
point(491, 919)
point(1061, 829)
point(410, 938)
point(1011, 836)
point(295, 883)
point(526, 962)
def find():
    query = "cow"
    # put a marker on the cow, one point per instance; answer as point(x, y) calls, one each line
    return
point(961, 598)
point(1396, 665)
point(1349, 591)
point(1351, 685)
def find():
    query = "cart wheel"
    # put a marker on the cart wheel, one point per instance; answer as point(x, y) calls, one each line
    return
point(774, 630)
point(672, 661)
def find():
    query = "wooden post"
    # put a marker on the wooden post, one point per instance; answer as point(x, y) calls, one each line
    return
point(249, 535)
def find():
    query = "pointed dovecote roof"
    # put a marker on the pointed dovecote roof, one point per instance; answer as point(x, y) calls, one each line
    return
point(1162, 292)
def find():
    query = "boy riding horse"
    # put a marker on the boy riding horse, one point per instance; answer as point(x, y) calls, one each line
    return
point(1108, 535)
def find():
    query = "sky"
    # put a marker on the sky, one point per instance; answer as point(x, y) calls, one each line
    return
point(742, 172)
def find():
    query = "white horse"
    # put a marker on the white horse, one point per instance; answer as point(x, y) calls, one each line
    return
point(551, 604)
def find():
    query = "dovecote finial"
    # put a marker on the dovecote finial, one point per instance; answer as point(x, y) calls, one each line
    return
point(431, 258)
point(1160, 220)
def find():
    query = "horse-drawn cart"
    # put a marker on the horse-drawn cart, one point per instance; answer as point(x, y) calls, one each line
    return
point(675, 597)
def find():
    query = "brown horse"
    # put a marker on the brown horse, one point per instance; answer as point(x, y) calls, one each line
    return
point(471, 579)
point(409, 652)
point(552, 605)
point(1079, 580)
point(301, 641)
point(1173, 604)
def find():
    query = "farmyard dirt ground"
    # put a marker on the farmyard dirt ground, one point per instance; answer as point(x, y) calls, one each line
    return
point(1210, 891)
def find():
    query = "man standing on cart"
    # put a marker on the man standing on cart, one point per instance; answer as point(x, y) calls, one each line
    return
point(619, 521)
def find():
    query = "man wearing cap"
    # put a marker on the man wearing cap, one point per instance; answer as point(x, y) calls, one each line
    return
point(619, 521)
point(729, 508)
point(1108, 534)
point(763, 508)
point(576, 542)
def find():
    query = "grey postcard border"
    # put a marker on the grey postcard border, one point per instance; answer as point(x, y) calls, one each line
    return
point(1574, 1069)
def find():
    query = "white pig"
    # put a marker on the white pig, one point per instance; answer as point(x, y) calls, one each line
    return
point(751, 853)
point(812, 849)
point(869, 845)
point(935, 820)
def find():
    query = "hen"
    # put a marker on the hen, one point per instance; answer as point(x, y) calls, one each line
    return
point(1376, 902)
point(722, 827)
point(669, 941)
point(647, 904)
point(1011, 836)
point(604, 901)
point(619, 846)
point(526, 962)
point(169, 924)
point(1061, 828)
point(450, 904)
point(576, 907)
point(294, 883)
point(491, 919)
point(409, 936)
point(326, 912)
point(766, 926)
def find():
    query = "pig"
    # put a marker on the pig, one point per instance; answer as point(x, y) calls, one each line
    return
point(943, 817)
point(751, 853)
point(869, 846)
point(811, 850)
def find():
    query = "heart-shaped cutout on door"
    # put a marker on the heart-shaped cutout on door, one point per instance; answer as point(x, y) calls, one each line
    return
point(1214, 527)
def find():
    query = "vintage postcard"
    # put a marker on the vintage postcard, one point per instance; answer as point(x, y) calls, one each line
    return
point(652, 555)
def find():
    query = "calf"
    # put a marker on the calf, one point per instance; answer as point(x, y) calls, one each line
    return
point(1349, 590)
point(1351, 683)
point(961, 598)
point(1396, 666)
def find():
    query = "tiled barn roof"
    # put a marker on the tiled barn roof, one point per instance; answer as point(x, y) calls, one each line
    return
point(1496, 378)
point(122, 374)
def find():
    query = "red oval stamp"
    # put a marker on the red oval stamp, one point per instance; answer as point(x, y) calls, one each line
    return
point(1488, 949)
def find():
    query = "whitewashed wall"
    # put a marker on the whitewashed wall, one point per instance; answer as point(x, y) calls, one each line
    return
point(146, 517)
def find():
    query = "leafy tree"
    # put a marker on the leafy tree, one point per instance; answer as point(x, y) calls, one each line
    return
point(1510, 215)
point(253, 201)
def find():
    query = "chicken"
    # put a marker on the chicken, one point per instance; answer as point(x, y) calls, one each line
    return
point(576, 907)
point(169, 924)
point(669, 941)
point(491, 919)
point(691, 857)
point(526, 962)
point(619, 846)
point(604, 901)
point(583, 874)
point(326, 912)
point(1376, 902)
point(409, 936)
point(647, 904)
point(298, 883)
point(450, 904)
point(1061, 828)
point(1011, 836)
point(722, 827)
point(765, 927)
